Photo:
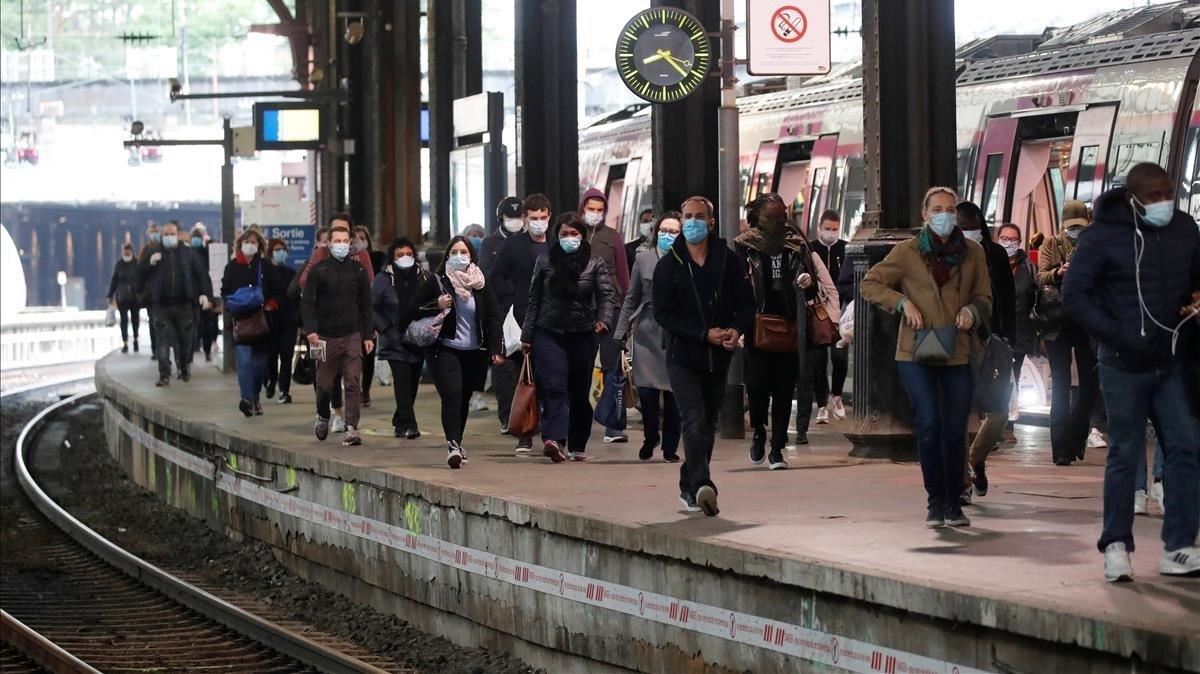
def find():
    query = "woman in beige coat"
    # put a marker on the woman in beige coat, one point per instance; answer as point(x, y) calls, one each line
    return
point(938, 282)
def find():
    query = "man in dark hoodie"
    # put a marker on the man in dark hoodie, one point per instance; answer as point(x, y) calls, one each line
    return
point(703, 301)
point(607, 245)
point(1135, 287)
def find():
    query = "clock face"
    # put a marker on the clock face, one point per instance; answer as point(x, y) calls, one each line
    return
point(663, 54)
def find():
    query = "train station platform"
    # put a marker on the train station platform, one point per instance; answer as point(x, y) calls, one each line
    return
point(594, 567)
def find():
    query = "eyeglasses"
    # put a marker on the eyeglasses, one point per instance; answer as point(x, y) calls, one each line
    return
point(1009, 239)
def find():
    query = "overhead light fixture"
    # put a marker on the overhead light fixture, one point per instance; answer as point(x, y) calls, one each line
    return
point(355, 31)
point(175, 87)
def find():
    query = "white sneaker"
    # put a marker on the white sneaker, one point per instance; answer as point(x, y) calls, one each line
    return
point(1156, 493)
point(823, 415)
point(1181, 562)
point(1096, 439)
point(1140, 503)
point(478, 403)
point(1117, 566)
point(523, 451)
point(839, 409)
point(338, 425)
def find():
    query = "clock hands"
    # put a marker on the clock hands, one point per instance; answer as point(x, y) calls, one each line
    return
point(662, 54)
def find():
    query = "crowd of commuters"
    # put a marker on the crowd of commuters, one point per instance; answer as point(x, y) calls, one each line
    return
point(1111, 303)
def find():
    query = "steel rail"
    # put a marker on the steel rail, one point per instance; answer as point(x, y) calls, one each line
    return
point(265, 632)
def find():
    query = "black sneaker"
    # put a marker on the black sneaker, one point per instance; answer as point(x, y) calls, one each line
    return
point(671, 458)
point(352, 438)
point(135, 346)
point(777, 461)
point(398, 432)
point(503, 428)
point(647, 450)
point(271, 390)
point(412, 434)
point(955, 518)
point(689, 502)
point(981, 481)
point(706, 498)
point(163, 381)
point(185, 375)
point(802, 438)
point(965, 497)
point(321, 428)
point(246, 407)
point(125, 349)
point(258, 410)
point(935, 517)
point(285, 399)
point(758, 446)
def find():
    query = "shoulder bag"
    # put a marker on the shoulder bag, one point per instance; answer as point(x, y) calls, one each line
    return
point(772, 332)
point(251, 327)
point(424, 331)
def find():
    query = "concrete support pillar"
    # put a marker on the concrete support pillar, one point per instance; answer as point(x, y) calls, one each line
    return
point(455, 70)
point(908, 65)
point(547, 103)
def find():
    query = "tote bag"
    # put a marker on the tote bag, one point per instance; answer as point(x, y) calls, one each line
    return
point(523, 419)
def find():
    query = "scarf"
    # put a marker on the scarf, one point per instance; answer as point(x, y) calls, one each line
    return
point(940, 255)
point(768, 244)
point(466, 280)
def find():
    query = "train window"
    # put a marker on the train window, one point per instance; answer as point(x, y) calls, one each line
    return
point(1189, 177)
point(835, 184)
point(1085, 183)
point(856, 186)
point(814, 200)
point(1132, 154)
point(991, 187)
point(964, 170)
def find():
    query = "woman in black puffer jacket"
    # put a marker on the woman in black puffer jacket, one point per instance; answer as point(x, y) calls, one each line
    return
point(571, 303)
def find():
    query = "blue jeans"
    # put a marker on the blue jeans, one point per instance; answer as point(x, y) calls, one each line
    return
point(251, 368)
point(1142, 480)
point(940, 396)
point(1131, 398)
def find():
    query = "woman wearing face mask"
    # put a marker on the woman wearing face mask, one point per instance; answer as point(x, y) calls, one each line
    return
point(361, 244)
point(122, 295)
point(1069, 418)
point(283, 324)
point(470, 340)
point(649, 355)
point(474, 235)
point(249, 268)
point(393, 296)
point(938, 282)
point(1024, 340)
point(571, 303)
point(207, 327)
point(1003, 322)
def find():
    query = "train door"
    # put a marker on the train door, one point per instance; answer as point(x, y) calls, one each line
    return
point(792, 176)
point(1038, 184)
point(628, 225)
point(614, 191)
point(1089, 155)
point(762, 178)
point(995, 161)
point(820, 169)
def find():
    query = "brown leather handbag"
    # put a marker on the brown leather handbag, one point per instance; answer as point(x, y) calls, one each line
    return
point(774, 333)
point(252, 329)
point(523, 419)
point(821, 330)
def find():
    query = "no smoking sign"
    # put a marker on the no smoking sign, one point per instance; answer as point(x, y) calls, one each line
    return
point(787, 37)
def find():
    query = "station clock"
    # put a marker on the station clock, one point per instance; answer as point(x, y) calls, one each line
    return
point(663, 54)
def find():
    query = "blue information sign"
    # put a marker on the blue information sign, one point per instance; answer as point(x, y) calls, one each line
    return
point(299, 238)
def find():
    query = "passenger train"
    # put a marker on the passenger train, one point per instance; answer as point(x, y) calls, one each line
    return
point(1033, 130)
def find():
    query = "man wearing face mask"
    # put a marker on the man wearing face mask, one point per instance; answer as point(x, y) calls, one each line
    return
point(152, 244)
point(606, 243)
point(1135, 285)
point(122, 295)
point(1069, 418)
point(336, 308)
point(175, 281)
point(510, 214)
point(645, 237)
point(510, 277)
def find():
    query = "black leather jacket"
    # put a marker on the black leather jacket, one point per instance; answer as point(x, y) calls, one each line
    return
point(594, 301)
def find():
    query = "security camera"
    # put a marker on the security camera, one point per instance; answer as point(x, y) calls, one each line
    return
point(175, 86)
point(354, 32)
point(136, 128)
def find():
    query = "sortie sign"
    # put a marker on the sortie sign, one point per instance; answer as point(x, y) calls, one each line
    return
point(787, 37)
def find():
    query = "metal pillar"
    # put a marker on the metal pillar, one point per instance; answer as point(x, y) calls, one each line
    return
point(322, 17)
point(729, 202)
point(401, 110)
point(547, 84)
point(228, 234)
point(908, 65)
point(455, 71)
point(684, 134)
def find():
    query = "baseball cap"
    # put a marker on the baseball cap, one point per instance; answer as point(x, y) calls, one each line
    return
point(510, 207)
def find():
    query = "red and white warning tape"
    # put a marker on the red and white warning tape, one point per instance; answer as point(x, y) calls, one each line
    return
point(806, 643)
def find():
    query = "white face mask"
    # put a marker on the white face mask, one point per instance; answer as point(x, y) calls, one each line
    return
point(539, 227)
point(593, 218)
point(249, 249)
point(647, 229)
point(128, 257)
point(975, 235)
point(1012, 248)
point(827, 236)
point(514, 225)
point(405, 262)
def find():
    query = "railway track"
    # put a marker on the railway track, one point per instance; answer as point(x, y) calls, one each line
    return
point(75, 597)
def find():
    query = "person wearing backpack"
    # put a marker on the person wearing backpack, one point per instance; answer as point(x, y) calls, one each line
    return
point(938, 283)
point(393, 297)
point(1066, 339)
point(250, 268)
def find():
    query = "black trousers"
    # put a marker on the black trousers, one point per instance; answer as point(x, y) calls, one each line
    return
point(456, 374)
point(655, 402)
point(175, 331)
point(806, 391)
point(504, 384)
point(770, 383)
point(206, 328)
point(819, 365)
point(406, 378)
point(698, 395)
point(153, 330)
point(1069, 415)
point(368, 373)
point(129, 315)
point(281, 349)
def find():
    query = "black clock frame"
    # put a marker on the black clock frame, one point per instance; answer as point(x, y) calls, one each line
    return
point(637, 28)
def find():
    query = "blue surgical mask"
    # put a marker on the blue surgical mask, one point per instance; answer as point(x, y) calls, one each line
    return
point(569, 244)
point(170, 241)
point(197, 242)
point(666, 240)
point(1159, 213)
point(458, 261)
point(1074, 232)
point(279, 256)
point(695, 230)
point(476, 241)
point(155, 236)
point(942, 224)
point(340, 250)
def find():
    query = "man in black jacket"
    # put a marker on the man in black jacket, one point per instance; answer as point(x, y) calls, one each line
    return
point(1135, 286)
point(335, 306)
point(175, 282)
point(510, 277)
point(703, 301)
